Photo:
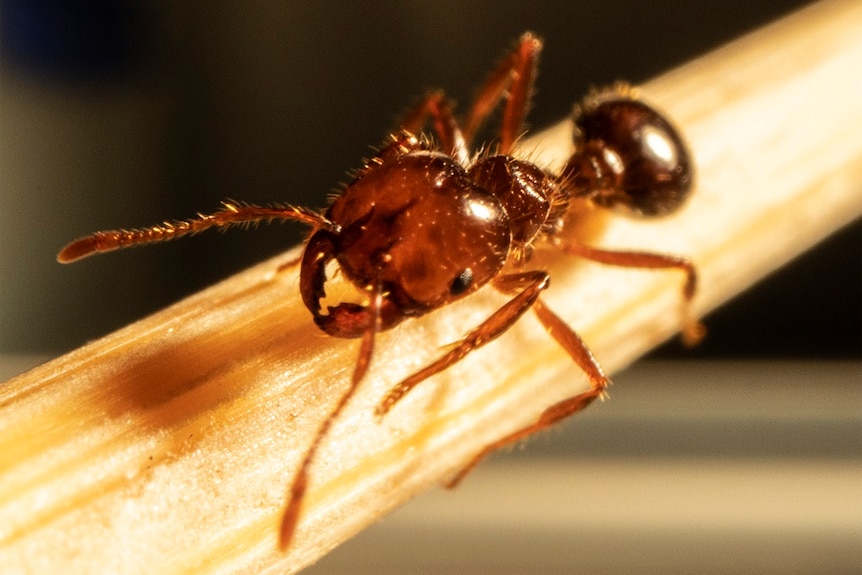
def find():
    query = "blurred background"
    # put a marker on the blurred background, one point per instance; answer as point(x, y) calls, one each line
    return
point(119, 113)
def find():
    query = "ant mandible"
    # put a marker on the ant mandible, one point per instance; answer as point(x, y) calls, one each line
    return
point(422, 226)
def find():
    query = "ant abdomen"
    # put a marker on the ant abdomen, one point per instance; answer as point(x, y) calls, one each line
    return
point(627, 156)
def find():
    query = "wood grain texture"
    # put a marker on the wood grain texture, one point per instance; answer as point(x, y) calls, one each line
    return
point(168, 446)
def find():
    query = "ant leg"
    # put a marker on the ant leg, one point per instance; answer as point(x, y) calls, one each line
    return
point(231, 214)
point(549, 417)
point(513, 80)
point(446, 127)
point(300, 481)
point(572, 343)
point(693, 331)
point(491, 328)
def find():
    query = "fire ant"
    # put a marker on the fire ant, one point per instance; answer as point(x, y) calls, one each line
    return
point(424, 225)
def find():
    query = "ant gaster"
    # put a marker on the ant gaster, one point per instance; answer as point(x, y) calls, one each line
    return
point(424, 225)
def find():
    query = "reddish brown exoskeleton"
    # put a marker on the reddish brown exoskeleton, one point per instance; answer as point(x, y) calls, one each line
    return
point(424, 225)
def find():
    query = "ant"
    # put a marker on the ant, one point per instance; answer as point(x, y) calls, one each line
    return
point(423, 225)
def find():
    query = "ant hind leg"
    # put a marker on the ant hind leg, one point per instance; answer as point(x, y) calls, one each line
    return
point(693, 331)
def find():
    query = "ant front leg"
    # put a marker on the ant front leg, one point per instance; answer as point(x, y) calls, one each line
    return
point(530, 285)
point(549, 417)
point(572, 343)
point(693, 331)
point(487, 331)
point(290, 517)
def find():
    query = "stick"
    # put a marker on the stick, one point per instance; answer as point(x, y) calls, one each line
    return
point(167, 446)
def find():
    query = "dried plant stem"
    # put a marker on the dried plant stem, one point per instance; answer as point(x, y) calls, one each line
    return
point(167, 447)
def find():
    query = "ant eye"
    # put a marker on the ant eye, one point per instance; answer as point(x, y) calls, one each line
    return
point(462, 282)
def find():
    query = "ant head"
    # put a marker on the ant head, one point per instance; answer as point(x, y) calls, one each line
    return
point(627, 156)
point(415, 226)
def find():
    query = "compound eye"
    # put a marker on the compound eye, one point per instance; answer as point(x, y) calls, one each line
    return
point(462, 282)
